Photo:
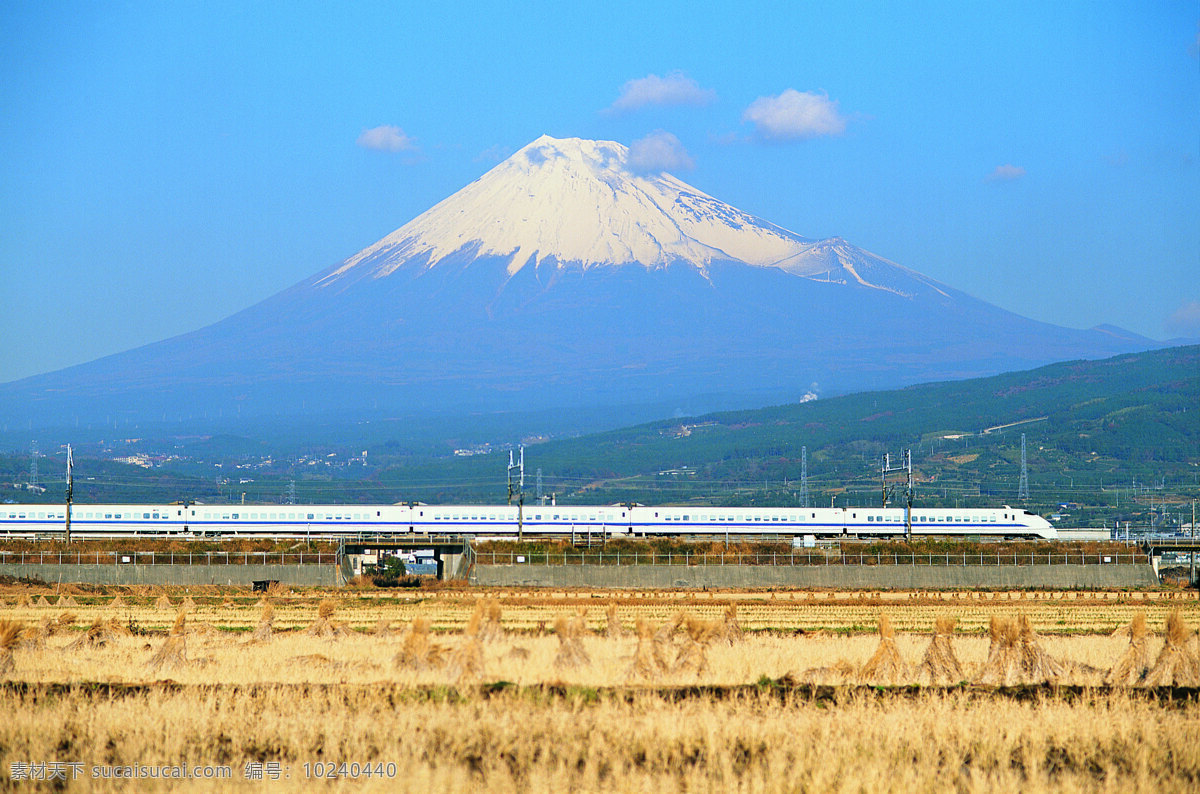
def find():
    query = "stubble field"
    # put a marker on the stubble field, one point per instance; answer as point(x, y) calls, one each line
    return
point(530, 690)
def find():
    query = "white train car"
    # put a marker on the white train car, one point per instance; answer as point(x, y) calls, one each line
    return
point(330, 522)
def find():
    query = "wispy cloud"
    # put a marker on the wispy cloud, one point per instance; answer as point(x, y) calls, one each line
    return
point(657, 152)
point(1185, 321)
point(674, 89)
point(494, 154)
point(795, 115)
point(386, 138)
point(1006, 173)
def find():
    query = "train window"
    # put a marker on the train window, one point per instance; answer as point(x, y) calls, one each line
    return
point(687, 518)
point(310, 516)
point(235, 516)
point(814, 515)
point(870, 519)
point(377, 514)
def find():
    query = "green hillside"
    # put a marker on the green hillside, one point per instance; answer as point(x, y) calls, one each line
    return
point(1114, 439)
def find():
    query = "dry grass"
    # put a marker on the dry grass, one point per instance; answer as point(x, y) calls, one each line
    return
point(627, 726)
point(533, 743)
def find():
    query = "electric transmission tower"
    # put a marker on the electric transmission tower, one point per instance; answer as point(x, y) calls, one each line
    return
point(804, 476)
point(291, 493)
point(1023, 487)
point(33, 473)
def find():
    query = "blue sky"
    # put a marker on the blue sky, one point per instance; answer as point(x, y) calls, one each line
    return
point(167, 164)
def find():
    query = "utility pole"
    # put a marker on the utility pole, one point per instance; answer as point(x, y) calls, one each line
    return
point(1023, 486)
point(804, 476)
point(70, 494)
point(519, 491)
point(906, 467)
point(1192, 568)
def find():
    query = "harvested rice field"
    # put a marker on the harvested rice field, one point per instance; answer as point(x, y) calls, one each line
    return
point(533, 690)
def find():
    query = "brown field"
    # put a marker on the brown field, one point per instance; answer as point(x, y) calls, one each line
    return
point(785, 707)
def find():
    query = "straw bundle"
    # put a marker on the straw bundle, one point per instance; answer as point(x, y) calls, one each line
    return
point(99, 634)
point(664, 646)
point(42, 602)
point(939, 666)
point(571, 652)
point(840, 673)
point(416, 651)
point(1177, 664)
point(173, 652)
point(475, 622)
point(491, 630)
point(24, 600)
point(1133, 665)
point(265, 628)
point(383, 628)
point(886, 667)
point(163, 602)
point(117, 602)
point(324, 625)
point(693, 652)
point(646, 663)
point(731, 630)
point(65, 601)
point(613, 629)
point(1002, 667)
point(64, 622)
point(188, 603)
point(466, 663)
point(10, 637)
point(1036, 666)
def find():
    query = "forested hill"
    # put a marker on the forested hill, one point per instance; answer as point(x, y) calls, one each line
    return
point(1092, 427)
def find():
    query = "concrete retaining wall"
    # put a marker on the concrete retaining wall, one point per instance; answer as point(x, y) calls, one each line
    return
point(300, 575)
point(931, 577)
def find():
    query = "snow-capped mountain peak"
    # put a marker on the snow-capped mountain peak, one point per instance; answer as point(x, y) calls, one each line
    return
point(579, 203)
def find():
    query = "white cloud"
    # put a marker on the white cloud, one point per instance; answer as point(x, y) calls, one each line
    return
point(674, 89)
point(1185, 321)
point(795, 115)
point(494, 154)
point(657, 152)
point(386, 138)
point(1006, 173)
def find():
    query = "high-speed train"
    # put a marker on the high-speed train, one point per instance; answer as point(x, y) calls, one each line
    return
point(340, 521)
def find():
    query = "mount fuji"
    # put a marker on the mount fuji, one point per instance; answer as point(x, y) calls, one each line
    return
point(565, 277)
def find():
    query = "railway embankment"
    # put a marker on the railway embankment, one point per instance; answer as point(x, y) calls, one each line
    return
point(883, 577)
point(158, 568)
point(817, 569)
